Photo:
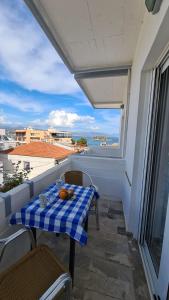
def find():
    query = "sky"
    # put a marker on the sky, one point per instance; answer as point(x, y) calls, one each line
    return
point(36, 88)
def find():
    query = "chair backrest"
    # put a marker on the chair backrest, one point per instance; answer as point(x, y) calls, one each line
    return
point(76, 177)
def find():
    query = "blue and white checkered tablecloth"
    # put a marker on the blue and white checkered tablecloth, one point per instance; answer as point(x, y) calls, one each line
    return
point(60, 216)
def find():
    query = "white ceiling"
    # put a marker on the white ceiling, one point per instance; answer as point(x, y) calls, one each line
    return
point(106, 92)
point(93, 34)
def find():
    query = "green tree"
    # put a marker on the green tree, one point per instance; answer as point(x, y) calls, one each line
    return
point(82, 141)
point(73, 141)
point(17, 178)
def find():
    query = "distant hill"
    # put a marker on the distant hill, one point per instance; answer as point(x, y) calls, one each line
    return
point(91, 134)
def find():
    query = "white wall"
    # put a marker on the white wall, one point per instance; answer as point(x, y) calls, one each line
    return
point(19, 196)
point(43, 180)
point(38, 164)
point(153, 38)
point(112, 151)
point(106, 173)
point(22, 194)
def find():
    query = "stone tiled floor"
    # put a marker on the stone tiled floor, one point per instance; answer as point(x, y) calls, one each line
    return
point(109, 267)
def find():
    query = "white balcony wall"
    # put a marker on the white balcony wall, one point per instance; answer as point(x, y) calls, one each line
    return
point(45, 179)
point(104, 151)
point(2, 212)
point(20, 196)
point(106, 173)
point(153, 39)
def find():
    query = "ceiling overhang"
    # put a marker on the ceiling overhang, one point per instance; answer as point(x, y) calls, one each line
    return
point(96, 40)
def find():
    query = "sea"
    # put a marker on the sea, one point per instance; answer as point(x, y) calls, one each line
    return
point(92, 142)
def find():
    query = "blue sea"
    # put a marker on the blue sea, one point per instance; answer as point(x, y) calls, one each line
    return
point(92, 142)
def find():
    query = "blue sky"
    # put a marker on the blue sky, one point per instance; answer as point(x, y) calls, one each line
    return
point(36, 89)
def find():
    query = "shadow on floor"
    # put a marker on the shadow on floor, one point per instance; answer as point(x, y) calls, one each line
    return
point(109, 266)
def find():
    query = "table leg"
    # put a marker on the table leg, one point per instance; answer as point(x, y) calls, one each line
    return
point(86, 225)
point(72, 258)
point(34, 233)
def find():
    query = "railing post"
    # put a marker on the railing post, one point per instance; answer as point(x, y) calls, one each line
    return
point(7, 199)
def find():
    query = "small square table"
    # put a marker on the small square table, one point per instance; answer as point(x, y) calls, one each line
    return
point(59, 216)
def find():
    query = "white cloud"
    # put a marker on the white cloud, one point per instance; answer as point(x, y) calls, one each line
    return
point(3, 119)
point(108, 121)
point(94, 127)
point(26, 104)
point(27, 57)
point(61, 118)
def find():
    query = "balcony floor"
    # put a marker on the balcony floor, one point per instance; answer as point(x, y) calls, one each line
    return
point(109, 267)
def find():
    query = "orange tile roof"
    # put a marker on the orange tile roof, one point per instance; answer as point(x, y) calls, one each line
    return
point(40, 149)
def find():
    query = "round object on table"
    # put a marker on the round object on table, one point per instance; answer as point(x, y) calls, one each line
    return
point(63, 194)
point(71, 193)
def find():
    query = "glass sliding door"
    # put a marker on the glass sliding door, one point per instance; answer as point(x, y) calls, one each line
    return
point(157, 178)
point(159, 185)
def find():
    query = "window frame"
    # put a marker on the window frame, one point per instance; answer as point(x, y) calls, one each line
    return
point(24, 165)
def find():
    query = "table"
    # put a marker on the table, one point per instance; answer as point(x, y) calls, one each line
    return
point(59, 216)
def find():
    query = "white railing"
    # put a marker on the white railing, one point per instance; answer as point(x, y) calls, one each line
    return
point(106, 173)
point(13, 200)
point(103, 151)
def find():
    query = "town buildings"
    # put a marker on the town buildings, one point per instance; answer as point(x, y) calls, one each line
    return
point(52, 136)
point(6, 142)
point(35, 156)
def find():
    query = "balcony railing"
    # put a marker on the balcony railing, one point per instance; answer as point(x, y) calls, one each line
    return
point(107, 174)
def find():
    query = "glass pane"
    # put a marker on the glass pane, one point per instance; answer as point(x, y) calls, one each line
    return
point(159, 189)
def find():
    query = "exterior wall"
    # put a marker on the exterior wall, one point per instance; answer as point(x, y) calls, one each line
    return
point(4, 145)
point(38, 164)
point(2, 131)
point(106, 173)
point(112, 151)
point(153, 38)
point(31, 135)
point(63, 140)
point(18, 197)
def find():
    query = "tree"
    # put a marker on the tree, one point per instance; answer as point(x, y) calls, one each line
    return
point(73, 141)
point(82, 141)
point(17, 178)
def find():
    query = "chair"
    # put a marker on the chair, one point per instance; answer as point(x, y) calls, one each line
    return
point(77, 178)
point(37, 275)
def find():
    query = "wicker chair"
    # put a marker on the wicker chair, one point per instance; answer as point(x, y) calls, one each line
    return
point(77, 177)
point(37, 275)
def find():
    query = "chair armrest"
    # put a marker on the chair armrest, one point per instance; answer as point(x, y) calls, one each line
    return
point(95, 187)
point(9, 239)
point(63, 282)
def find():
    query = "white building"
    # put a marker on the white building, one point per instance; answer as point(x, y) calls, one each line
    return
point(5, 141)
point(36, 157)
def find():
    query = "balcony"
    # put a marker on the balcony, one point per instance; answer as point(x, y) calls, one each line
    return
point(118, 53)
point(109, 266)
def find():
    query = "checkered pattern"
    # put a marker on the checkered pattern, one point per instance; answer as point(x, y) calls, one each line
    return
point(61, 216)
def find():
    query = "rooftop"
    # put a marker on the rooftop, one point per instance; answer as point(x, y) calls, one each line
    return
point(40, 149)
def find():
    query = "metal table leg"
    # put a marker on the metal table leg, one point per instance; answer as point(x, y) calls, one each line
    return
point(86, 225)
point(34, 233)
point(72, 258)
